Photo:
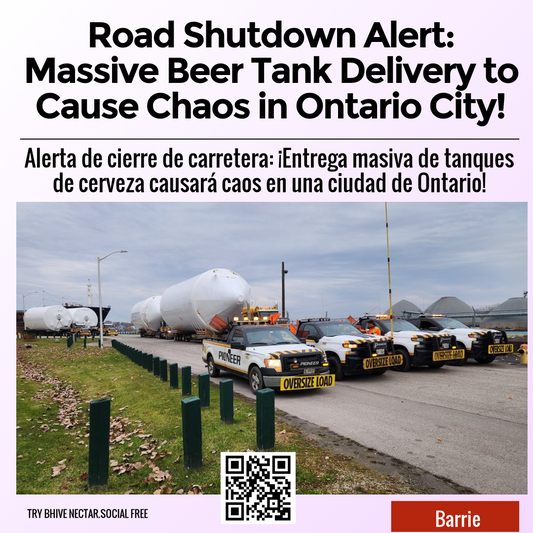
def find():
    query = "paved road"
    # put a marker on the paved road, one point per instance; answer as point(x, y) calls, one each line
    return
point(468, 424)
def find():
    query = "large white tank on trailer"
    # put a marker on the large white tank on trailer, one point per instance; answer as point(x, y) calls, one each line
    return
point(51, 318)
point(84, 315)
point(146, 315)
point(207, 301)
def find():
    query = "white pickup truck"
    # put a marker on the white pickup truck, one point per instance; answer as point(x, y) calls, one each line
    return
point(349, 351)
point(269, 356)
point(482, 345)
point(418, 348)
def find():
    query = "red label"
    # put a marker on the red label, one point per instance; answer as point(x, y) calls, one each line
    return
point(455, 516)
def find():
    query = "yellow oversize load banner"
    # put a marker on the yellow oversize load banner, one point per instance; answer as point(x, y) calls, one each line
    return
point(318, 381)
point(446, 355)
point(370, 363)
point(501, 348)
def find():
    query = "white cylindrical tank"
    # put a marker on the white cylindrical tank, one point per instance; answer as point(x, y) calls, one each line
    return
point(85, 316)
point(207, 301)
point(51, 318)
point(146, 315)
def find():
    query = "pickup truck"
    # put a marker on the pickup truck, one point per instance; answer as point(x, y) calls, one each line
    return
point(419, 348)
point(269, 356)
point(482, 345)
point(349, 351)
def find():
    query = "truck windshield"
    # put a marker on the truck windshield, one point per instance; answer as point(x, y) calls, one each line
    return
point(268, 337)
point(398, 325)
point(339, 328)
point(450, 323)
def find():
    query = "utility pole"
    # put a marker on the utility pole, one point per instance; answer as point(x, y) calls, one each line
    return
point(283, 272)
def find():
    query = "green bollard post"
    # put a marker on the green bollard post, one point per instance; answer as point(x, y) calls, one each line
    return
point(203, 389)
point(192, 432)
point(99, 442)
point(174, 381)
point(150, 366)
point(85, 342)
point(226, 401)
point(265, 419)
point(163, 370)
point(157, 366)
point(145, 360)
point(186, 384)
point(70, 342)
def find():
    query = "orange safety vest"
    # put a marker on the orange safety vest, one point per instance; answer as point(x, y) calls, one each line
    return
point(374, 331)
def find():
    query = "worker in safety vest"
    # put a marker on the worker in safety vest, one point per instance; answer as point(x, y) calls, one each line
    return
point(372, 329)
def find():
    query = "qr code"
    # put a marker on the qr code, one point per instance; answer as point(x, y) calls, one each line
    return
point(258, 487)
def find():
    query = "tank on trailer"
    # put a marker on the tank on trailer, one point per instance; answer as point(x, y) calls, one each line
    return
point(146, 315)
point(208, 301)
point(85, 316)
point(51, 318)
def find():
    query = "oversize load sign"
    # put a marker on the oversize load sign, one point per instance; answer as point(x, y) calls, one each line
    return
point(307, 382)
point(445, 355)
point(501, 348)
point(381, 362)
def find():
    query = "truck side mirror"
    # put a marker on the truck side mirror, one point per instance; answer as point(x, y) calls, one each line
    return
point(237, 345)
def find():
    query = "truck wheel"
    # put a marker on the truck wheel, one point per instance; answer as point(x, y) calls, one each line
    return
point(484, 360)
point(335, 367)
point(255, 379)
point(406, 361)
point(214, 372)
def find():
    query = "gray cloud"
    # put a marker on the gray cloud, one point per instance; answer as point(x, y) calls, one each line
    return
point(335, 252)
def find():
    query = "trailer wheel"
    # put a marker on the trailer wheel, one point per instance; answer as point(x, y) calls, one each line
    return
point(255, 379)
point(214, 372)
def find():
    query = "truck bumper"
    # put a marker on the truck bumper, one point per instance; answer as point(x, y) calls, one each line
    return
point(482, 352)
point(425, 357)
point(356, 366)
point(274, 381)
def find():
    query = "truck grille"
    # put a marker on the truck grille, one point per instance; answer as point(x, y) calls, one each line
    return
point(437, 342)
point(297, 362)
point(497, 337)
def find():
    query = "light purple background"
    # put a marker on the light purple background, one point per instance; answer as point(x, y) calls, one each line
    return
point(56, 28)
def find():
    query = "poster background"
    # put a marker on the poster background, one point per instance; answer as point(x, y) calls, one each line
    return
point(59, 29)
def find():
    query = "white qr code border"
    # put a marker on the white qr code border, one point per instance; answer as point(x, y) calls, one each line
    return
point(255, 507)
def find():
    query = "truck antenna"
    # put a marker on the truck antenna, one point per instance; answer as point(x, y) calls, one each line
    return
point(388, 264)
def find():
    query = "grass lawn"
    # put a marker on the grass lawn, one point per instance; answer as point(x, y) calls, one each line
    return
point(55, 385)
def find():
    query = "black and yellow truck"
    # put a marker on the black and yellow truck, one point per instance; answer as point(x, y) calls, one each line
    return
point(349, 351)
point(482, 345)
point(269, 356)
point(418, 348)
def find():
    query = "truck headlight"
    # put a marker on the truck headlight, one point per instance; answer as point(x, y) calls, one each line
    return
point(273, 363)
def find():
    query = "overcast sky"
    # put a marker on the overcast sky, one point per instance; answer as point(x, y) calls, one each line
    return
point(336, 253)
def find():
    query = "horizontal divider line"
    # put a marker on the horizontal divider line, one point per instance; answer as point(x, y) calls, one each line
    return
point(269, 139)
